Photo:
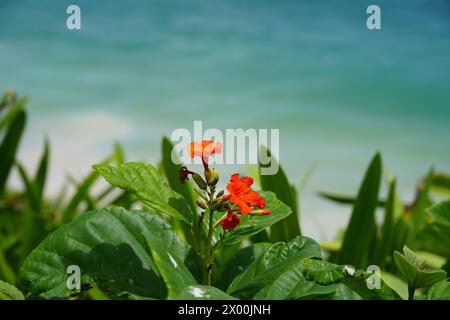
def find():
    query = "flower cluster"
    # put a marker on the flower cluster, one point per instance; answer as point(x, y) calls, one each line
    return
point(241, 199)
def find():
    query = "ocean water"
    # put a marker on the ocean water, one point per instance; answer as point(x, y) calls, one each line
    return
point(337, 91)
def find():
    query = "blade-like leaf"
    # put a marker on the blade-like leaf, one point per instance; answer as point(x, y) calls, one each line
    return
point(9, 145)
point(361, 229)
point(384, 247)
point(278, 183)
point(144, 180)
point(344, 199)
point(419, 210)
point(171, 171)
point(41, 174)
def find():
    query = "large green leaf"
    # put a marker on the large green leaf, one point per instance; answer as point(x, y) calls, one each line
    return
point(175, 274)
point(276, 260)
point(144, 180)
point(278, 183)
point(9, 292)
point(414, 272)
point(439, 291)
point(294, 270)
point(199, 292)
point(308, 279)
point(360, 232)
point(111, 247)
point(9, 145)
point(255, 224)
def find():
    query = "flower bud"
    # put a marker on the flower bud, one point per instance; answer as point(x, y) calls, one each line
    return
point(199, 181)
point(201, 204)
point(260, 212)
point(212, 176)
point(220, 194)
point(218, 206)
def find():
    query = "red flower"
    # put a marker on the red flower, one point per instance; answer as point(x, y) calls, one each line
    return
point(243, 196)
point(204, 149)
point(230, 221)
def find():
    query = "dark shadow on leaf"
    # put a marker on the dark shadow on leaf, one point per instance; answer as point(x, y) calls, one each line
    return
point(117, 269)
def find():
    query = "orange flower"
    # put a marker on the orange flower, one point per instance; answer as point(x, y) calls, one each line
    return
point(243, 196)
point(204, 149)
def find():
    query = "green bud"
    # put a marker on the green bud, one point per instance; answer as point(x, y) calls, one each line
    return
point(220, 194)
point(201, 204)
point(212, 177)
point(199, 181)
point(218, 206)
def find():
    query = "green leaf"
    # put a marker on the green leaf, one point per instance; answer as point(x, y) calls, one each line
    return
point(144, 181)
point(292, 284)
point(110, 247)
point(276, 260)
point(413, 271)
point(278, 183)
point(255, 224)
point(435, 236)
point(441, 213)
point(294, 270)
point(344, 199)
point(17, 108)
point(420, 205)
point(441, 183)
point(343, 292)
point(356, 246)
point(439, 291)
point(230, 262)
point(396, 283)
point(41, 174)
point(171, 171)
point(9, 145)
point(175, 274)
point(199, 292)
point(9, 292)
point(33, 225)
point(384, 246)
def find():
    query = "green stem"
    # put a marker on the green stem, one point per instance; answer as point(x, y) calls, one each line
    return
point(411, 291)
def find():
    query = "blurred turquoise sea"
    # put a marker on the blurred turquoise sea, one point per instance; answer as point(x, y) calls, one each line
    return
point(337, 91)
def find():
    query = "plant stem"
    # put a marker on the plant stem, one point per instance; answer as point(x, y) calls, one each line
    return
point(411, 290)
